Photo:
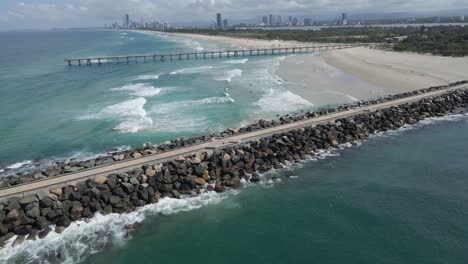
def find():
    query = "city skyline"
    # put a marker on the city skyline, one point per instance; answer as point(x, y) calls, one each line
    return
point(85, 13)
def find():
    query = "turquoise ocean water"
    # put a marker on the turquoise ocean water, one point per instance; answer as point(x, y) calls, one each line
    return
point(396, 198)
point(49, 110)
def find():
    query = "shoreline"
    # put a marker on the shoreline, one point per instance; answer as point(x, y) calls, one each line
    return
point(224, 168)
point(383, 72)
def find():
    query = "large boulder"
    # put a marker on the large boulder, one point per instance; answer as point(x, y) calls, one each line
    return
point(28, 199)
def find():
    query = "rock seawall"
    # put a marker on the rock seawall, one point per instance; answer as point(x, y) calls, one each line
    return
point(30, 217)
point(61, 168)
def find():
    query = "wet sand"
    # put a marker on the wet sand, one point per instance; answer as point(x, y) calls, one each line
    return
point(347, 75)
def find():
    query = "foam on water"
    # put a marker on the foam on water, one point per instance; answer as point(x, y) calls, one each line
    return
point(229, 75)
point(236, 61)
point(139, 89)
point(30, 166)
point(148, 77)
point(131, 113)
point(179, 116)
point(282, 101)
point(82, 239)
point(19, 164)
point(192, 70)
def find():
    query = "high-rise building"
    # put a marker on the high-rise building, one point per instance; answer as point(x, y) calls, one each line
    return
point(462, 18)
point(294, 22)
point(307, 22)
point(126, 21)
point(271, 20)
point(265, 20)
point(219, 21)
point(290, 20)
point(278, 20)
point(225, 23)
point(344, 19)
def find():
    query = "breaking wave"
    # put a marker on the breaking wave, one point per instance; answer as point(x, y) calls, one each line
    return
point(229, 75)
point(192, 70)
point(81, 239)
point(139, 89)
point(130, 113)
point(236, 61)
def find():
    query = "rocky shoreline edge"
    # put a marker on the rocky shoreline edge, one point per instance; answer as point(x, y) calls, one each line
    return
point(60, 168)
point(31, 217)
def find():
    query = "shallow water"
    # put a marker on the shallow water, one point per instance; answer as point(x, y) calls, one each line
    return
point(49, 110)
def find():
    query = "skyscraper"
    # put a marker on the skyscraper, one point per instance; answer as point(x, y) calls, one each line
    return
point(265, 20)
point(271, 21)
point(294, 22)
point(344, 19)
point(307, 22)
point(219, 21)
point(126, 21)
point(278, 20)
point(225, 23)
point(290, 19)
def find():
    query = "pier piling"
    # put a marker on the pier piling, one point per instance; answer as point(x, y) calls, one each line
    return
point(221, 53)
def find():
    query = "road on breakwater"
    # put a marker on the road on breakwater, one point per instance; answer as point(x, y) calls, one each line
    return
point(216, 143)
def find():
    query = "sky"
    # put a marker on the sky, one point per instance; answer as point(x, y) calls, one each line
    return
point(32, 14)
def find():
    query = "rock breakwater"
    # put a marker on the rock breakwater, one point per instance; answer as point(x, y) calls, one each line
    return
point(31, 217)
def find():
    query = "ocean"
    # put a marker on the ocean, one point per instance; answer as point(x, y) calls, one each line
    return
point(51, 111)
point(399, 197)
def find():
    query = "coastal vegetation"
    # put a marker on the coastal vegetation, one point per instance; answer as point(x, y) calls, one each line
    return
point(438, 40)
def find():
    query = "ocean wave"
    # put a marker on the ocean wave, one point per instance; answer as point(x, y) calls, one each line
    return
point(192, 70)
point(236, 61)
point(81, 239)
point(229, 75)
point(131, 113)
point(19, 164)
point(140, 89)
point(148, 77)
point(281, 101)
point(77, 156)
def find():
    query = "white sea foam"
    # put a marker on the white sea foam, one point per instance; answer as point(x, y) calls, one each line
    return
point(19, 164)
point(229, 75)
point(179, 116)
point(192, 70)
point(148, 77)
point(44, 163)
point(131, 113)
point(82, 239)
point(236, 61)
point(139, 89)
point(281, 101)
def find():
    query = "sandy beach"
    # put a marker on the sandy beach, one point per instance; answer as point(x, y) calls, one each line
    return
point(397, 70)
point(242, 42)
point(339, 76)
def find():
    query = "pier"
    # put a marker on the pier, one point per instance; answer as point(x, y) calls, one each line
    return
point(197, 55)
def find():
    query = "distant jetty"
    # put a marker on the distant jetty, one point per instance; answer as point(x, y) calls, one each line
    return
point(195, 55)
point(126, 180)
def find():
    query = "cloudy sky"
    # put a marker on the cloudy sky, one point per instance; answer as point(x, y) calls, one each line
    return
point(27, 14)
